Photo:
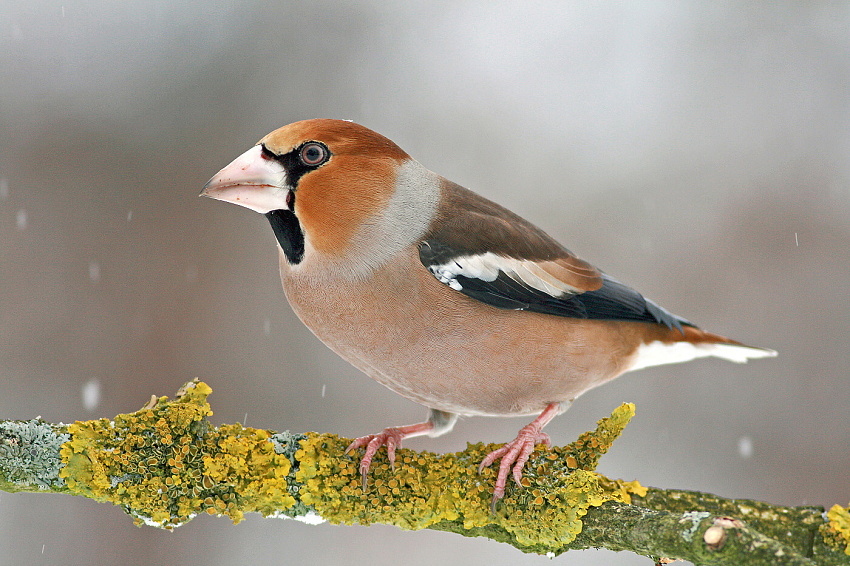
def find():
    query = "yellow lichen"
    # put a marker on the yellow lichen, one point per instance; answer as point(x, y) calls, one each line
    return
point(246, 464)
point(164, 463)
point(558, 486)
point(839, 524)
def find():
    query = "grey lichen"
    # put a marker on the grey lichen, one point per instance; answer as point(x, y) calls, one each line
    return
point(29, 453)
point(288, 443)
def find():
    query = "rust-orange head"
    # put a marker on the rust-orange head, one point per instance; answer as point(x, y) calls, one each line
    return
point(332, 188)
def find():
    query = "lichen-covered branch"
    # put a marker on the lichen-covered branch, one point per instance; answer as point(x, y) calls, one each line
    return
point(165, 464)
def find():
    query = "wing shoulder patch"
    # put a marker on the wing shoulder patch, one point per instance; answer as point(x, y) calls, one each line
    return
point(488, 267)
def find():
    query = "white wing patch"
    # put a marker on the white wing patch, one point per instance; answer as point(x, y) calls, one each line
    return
point(658, 353)
point(487, 266)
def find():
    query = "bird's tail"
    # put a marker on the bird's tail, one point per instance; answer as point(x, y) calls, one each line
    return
point(674, 346)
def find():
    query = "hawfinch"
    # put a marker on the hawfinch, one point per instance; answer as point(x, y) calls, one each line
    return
point(442, 295)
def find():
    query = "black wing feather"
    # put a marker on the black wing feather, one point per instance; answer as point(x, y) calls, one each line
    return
point(615, 301)
point(612, 301)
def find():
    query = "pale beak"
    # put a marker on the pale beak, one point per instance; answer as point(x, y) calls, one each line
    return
point(252, 180)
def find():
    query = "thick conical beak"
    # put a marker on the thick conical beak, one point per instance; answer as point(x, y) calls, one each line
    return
point(252, 180)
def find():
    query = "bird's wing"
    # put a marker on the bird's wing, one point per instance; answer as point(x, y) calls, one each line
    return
point(486, 252)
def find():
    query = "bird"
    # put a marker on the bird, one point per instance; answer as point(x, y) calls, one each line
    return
point(442, 295)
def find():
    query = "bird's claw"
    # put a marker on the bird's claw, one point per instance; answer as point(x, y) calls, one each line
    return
point(389, 437)
point(515, 453)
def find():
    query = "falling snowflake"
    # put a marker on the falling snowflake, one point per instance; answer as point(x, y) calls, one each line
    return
point(21, 219)
point(91, 394)
point(94, 271)
point(745, 447)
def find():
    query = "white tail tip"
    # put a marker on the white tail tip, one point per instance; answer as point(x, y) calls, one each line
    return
point(658, 353)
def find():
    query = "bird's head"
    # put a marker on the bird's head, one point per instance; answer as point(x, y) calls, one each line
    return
point(336, 194)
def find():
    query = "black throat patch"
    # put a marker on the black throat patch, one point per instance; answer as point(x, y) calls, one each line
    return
point(288, 232)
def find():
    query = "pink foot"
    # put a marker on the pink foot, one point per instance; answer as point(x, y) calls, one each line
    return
point(517, 452)
point(391, 437)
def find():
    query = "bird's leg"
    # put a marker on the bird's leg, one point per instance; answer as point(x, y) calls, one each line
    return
point(516, 452)
point(439, 422)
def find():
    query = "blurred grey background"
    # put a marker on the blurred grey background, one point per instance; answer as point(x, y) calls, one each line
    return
point(699, 152)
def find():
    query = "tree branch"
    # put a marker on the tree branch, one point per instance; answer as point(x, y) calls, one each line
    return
point(165, 464)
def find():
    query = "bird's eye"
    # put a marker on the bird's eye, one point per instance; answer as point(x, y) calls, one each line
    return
point(313, 154)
